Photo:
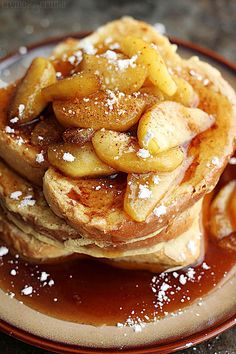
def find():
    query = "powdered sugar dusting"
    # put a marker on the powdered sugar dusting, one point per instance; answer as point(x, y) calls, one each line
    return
point(156, 179)
point(27, 201)
point(3, 251)
point(215, 161)
point(68, 157)
point(19, 141)
point(28, 290)
point(9, 130)
point(232, 161)
point(14, 120)
point(21, 110)
point(15, 195)
point(144, 192)
point(143, 153)
point(123, 64)
point(159, 211)
point(40, 157)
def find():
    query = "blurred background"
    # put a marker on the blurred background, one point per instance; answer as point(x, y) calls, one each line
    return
point(209, 23)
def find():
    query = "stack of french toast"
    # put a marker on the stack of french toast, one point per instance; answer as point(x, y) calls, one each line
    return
point(108, 148)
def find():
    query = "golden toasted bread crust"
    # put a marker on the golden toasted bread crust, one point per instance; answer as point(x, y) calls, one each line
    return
point(28, 246)
point(39, 221)
point(182, 251)
point(98, 214)
point(39, 214)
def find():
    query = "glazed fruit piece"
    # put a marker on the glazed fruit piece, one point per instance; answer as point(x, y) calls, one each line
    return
point(145, 191)
point(185, 93)
point(80, 85)
point(122, 152)
point(78, 136)
point(116, 74)
point(28, 101)
point(46, 132)
point(152, 90)
point(148, 55)
point(77, 161)
point(169, 124)
point(102, 110)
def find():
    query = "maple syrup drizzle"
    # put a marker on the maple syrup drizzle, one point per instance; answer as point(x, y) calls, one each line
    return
point(89, 291)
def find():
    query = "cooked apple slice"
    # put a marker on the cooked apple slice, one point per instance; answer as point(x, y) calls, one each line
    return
point(169, 124)
point(221, 210)
point(145, 191)
point(103, 110)
point(116, 74)
point(78, 136)
point(153, 91)
point(149, 56)
point(185, 93)
point(46, 132)
point(28, 101)
point(63, 67)
point(81, 85)
point(122, 152)
point(77, 161)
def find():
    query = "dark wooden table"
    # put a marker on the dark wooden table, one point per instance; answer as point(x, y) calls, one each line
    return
point(210, 23)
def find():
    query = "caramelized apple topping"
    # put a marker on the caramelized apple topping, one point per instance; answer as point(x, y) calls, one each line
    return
point(123, 153)
point(117, 107)
point(81, 85)
point(77, 161)
point(185, 93)
point(147, 54)
point(170, 124)
point(28, 101)
point(78, 136)
point(109, 110)
point(116, 73)
point(46, 132)
point(145, 191)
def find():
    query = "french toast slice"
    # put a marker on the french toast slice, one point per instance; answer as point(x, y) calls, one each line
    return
point(21, 200)
point(24, 206)
point(28, 246)
point(94, 207)
point(184, 250)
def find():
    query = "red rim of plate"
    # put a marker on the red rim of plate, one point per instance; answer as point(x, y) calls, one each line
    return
point(172, 346)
